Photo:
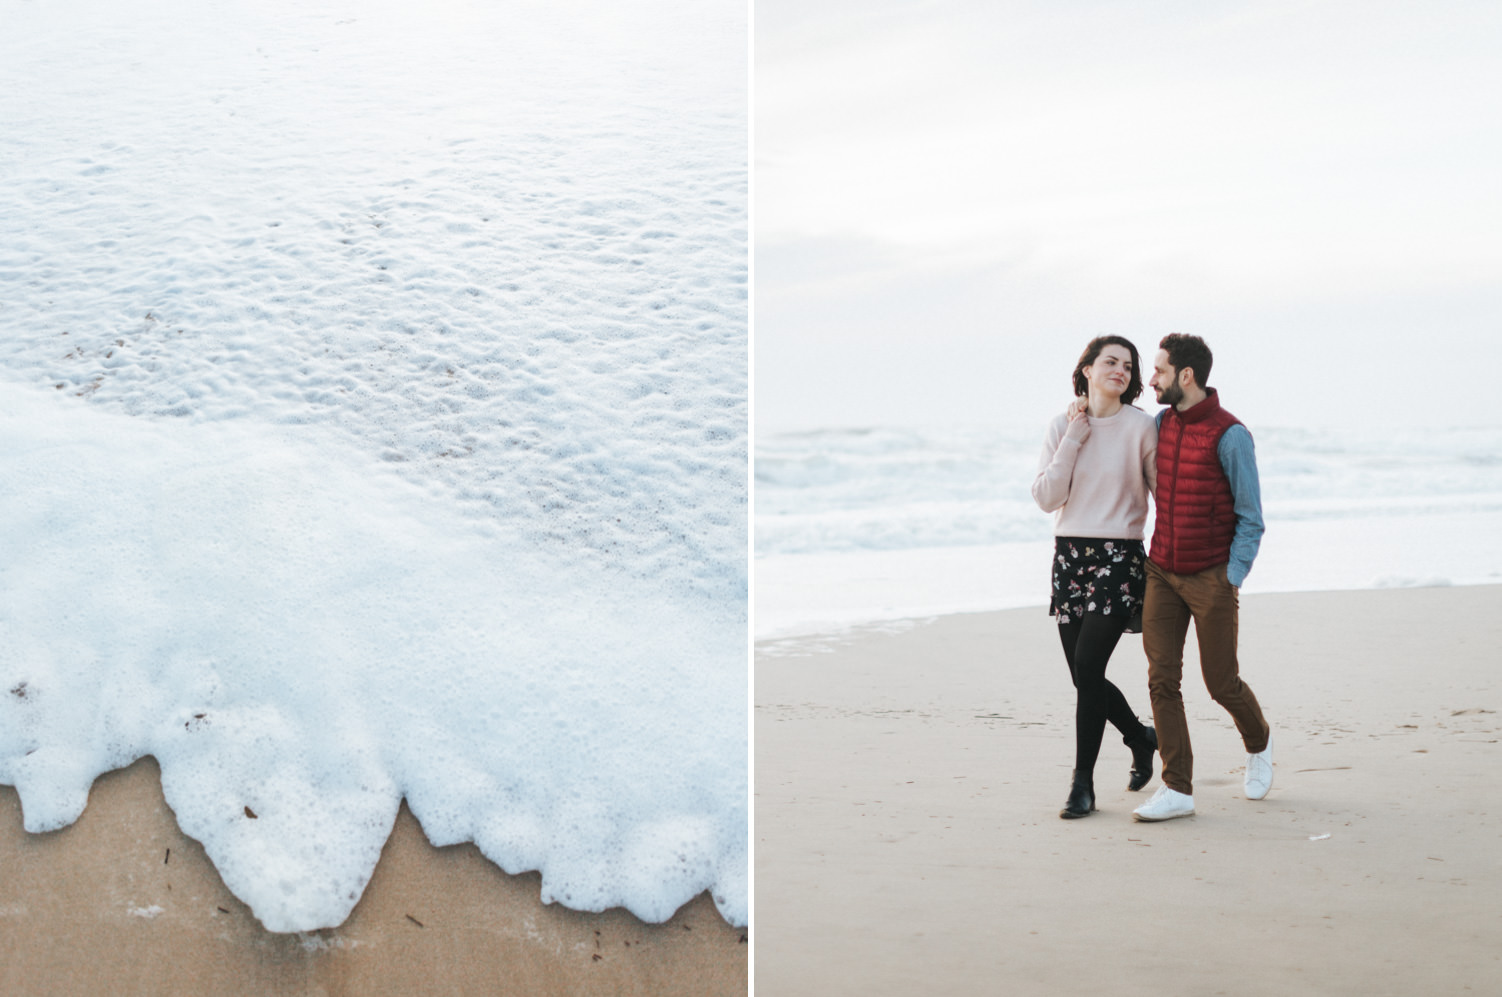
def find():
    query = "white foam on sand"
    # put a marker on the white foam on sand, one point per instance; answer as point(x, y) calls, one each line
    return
point(373, 424)
point(301, 642)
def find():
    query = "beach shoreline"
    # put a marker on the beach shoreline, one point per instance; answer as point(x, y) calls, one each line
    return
point(908, 785)
point(123, 902)
point(813, 594)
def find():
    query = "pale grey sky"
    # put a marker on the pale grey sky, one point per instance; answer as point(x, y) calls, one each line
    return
point(952, 197)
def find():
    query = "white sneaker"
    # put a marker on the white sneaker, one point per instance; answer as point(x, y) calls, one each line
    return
point(1166, 804)
point(1259, 772)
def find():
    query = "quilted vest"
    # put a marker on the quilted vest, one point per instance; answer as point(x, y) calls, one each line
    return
point(1196, 516)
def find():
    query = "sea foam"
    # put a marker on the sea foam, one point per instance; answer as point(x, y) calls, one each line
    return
point(394, 438)
point(301, 642)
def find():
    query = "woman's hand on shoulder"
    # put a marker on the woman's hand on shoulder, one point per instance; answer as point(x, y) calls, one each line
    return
point(1078, 428)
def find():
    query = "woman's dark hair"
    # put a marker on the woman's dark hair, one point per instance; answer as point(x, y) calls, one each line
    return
point(1134, 385)
point(1188, 351)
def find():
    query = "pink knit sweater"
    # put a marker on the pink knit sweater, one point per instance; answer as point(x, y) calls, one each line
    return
point(1099, 488)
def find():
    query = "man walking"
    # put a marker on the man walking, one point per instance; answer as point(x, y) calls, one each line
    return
point(1208, 528)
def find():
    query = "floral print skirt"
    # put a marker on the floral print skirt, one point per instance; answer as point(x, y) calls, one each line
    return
point(1091, 575)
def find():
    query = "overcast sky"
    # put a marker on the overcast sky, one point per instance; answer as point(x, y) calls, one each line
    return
point(953, 197)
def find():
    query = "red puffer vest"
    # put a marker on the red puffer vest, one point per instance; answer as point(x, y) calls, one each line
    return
point(1196, 513)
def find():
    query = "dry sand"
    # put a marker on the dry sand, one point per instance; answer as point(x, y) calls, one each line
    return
point(122, 903)
point(908, 786)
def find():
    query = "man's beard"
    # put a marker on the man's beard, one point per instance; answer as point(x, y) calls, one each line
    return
point(1171, 395)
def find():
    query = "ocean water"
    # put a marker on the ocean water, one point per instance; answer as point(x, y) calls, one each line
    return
point(854, 526)
point(373, 426)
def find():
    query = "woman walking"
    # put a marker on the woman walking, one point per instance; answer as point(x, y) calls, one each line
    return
point(1097, 469)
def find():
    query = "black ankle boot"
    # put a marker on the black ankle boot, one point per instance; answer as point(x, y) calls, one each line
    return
point(1081, 797)
point(1143, 746)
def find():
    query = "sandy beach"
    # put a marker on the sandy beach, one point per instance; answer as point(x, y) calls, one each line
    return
point(908, 786)
point(123, 903)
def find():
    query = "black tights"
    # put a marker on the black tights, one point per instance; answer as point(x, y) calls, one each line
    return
point(1088, 644)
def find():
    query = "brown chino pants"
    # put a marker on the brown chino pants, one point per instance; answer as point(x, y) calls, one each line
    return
point(1171, 601)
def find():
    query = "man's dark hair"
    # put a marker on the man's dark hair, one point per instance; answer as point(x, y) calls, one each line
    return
point(1134, 385)
point(1188, 351)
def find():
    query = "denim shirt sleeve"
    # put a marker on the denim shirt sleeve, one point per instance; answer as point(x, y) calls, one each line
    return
point(1238, 459)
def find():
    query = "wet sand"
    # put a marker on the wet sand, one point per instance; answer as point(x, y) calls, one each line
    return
point(123, 903)
point(908, 787)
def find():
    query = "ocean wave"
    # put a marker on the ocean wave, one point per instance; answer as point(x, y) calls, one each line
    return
point(890, 489)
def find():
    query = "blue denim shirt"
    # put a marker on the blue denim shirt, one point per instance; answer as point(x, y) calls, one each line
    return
point(1238, 458)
